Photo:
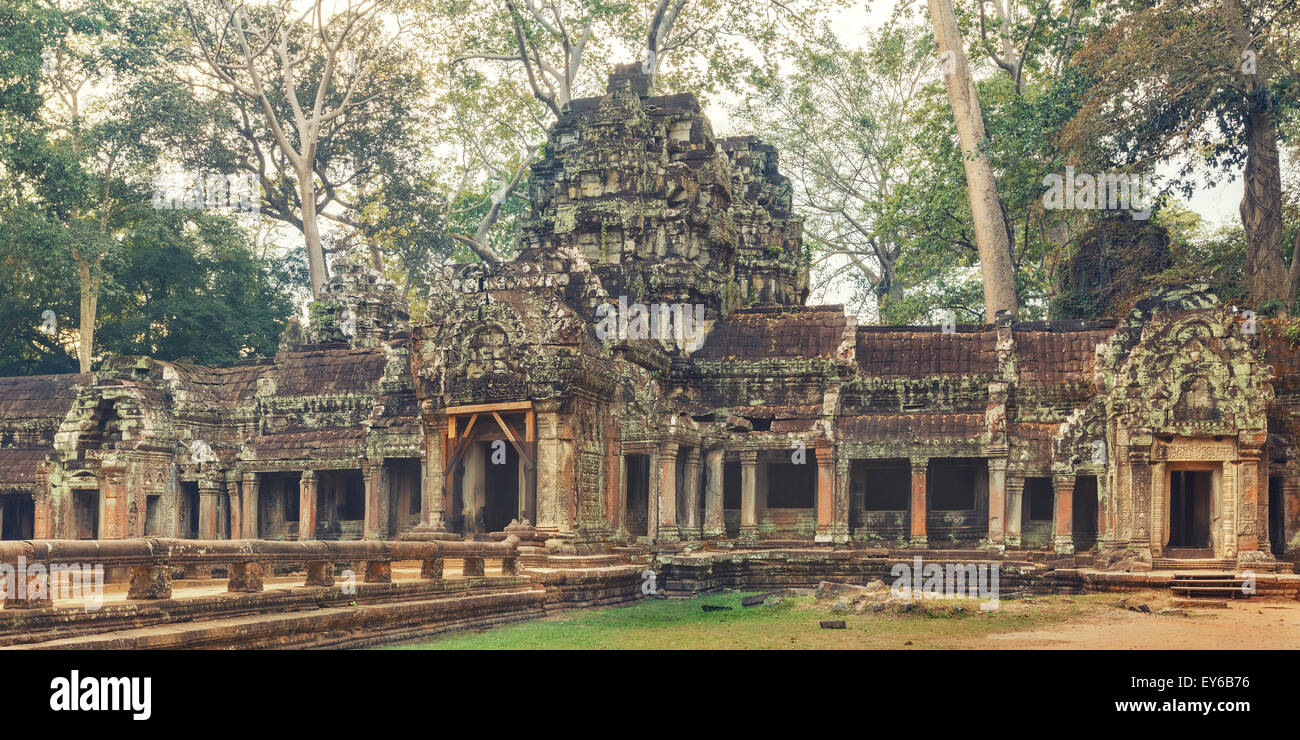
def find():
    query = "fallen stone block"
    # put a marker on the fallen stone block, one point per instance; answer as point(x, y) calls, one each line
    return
point(833, 624)
point(756, 600)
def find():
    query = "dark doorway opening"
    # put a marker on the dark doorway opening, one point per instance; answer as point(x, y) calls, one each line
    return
point(85, 515)
point(340, 504)
point(791, 485)
point(1036, 513)
point(880, 496)
point(1276, 517)
point(17, 517)
point(278, 499)
point(153, 512)
point(404, 495)
point(189, 510)
point(1189, 509)
point(501, 485)
point(731, 497)
point(637, 494)
point(1085, 512)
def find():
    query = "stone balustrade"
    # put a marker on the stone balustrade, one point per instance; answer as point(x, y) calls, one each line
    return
point(150, 562)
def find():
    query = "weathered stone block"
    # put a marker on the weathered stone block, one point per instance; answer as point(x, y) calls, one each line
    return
point(245, 577)
point(150, 582)
point(320, 573)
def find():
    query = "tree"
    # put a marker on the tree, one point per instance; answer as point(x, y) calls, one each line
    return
point(843, 122)
point(991, 233)
point(307, 75)
point(1210, 83)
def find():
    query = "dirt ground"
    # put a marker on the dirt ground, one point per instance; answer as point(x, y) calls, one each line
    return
point(1254, 624)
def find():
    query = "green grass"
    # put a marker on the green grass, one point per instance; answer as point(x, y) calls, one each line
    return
point(680, 624)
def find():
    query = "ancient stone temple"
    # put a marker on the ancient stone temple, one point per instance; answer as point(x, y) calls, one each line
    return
point(645, 375)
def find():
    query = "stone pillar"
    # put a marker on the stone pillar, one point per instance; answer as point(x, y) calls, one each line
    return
point(376, 517)
point(1015, 508)
point(748, 497)
point(1064, 487)
point(825, 454)
point(319, 572)
point(431, 568)
point(714, 524)
point(235, 500)
point(249, 508)
point(556, 465)
point(1290, 492)
point(997, 500)
point(917, 515)
point(840, 524)
point(433, 480)
point(307, 506)
point(691, 527)
point(668, 493)
point(209, 498)
point(1250, 493)
point(472, 566)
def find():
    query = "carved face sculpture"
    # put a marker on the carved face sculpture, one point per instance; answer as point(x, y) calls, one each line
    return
point(488, 353)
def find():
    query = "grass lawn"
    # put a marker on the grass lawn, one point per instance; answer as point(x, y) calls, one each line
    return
point(680, 624)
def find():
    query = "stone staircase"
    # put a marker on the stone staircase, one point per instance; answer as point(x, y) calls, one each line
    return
point(1215, 564)
point(1207, 588)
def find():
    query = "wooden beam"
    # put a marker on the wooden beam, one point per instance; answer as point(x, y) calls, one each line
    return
point(462, 445)
point(510, 435)
point(479, 408)
point(530, 426)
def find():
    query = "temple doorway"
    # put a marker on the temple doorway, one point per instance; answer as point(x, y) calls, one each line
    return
point(636, 494)
point(1190, 498)
point(501, 485)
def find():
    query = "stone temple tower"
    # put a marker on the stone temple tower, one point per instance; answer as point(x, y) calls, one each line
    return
point(661, 209)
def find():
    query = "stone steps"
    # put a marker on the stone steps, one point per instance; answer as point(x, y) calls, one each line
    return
point(1212, 586)
point(1223, 564)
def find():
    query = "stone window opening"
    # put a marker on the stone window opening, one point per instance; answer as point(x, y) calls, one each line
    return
point(17, 516)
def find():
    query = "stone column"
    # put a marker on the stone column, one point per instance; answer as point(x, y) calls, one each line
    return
point(249, 507)
point(840, 524)
point(668, 493)
point(1249, 521)
point(209, 499)
point(556, 479)
point(825, 491)
point(748, 497)
point(1015, 508)
point(691, 527)
point(307, 506)
point(997, 500)
point(1064, 486)
point(433, 496)
point(917, 515)
point(714, 524)
point(375, 521)
point(235, 500)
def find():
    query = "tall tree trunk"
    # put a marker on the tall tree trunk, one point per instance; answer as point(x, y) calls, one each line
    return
point(311, 232)
point(991, 238)
point(1261, 213)
point(86, 274)
point(1261, 197)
